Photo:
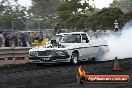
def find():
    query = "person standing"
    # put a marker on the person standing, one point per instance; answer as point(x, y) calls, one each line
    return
point(116, 24)
point(15, 40)
point(57, 29)
point(46, 39)
point(1, 39)
point(7, 40)
point(23, 40)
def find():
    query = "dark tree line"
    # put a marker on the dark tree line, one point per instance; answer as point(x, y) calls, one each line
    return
point(70, 14)
point(124, 5)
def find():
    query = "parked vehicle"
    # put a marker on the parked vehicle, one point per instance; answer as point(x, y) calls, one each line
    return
point(69, 47)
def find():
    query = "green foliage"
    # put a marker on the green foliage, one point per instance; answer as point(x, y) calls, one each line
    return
point(44, 7)
point(69, 13)
point(124, 5)
point(72, 13)
point(9, 14)
point(107, 16)
point(125, 18)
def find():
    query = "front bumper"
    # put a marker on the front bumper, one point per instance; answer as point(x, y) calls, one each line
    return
point(50, 59)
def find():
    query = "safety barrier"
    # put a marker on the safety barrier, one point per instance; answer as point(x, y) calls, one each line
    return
point(14, 55)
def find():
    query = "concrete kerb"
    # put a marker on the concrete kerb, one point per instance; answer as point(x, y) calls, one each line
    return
point(14, 55)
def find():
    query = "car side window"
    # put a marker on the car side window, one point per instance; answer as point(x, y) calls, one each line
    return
point(84, 38)
point(76, 38)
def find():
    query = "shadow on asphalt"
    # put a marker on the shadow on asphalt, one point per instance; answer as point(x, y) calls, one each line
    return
point(49, 65)
point(67, 64)
point(59, 64)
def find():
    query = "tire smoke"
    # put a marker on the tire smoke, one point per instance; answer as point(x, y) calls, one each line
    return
point(120, 44)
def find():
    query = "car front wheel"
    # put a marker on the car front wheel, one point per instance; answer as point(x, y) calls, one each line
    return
point(74, 58)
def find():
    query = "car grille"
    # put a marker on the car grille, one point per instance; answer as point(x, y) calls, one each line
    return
point(33, 53)
point(45, 53)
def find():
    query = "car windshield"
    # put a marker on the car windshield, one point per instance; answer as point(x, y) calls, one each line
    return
point(72, 38)
point(57, 38)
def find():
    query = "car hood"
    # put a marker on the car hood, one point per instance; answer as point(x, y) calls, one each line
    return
point(51, 47)
point(65, 46)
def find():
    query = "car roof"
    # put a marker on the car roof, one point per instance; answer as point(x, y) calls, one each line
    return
point(70, 33)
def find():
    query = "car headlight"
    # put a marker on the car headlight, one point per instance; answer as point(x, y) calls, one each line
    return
point(33, 53)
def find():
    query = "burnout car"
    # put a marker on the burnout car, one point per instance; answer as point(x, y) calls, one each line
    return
point(69, 47)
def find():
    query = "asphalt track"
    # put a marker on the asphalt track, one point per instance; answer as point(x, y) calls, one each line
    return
point(60, 75)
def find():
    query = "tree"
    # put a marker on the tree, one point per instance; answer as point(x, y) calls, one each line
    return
point(106, 17)
point(44, 8)
point(125, 5)
point(125, 18)
point(8, 12)
point(72, 13)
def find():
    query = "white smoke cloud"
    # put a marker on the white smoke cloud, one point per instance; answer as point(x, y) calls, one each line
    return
point(120, 44)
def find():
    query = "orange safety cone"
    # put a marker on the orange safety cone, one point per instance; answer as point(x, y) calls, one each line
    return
point(116, 65)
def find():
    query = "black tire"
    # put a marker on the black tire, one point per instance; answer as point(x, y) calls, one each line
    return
point(74, 58)
point(39, 64)
point(93, 60)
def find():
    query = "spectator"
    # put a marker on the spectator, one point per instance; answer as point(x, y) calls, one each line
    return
point(7, 40)
point(116, 26)
point(40, 39)
point(46, 39)
point(1, 39)
point(15, 40)
point(57, 29)
point(29, 38)
point(23, 40)
point(83, 29)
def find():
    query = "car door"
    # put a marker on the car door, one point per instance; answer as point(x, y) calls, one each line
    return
point(85, 51)
point(75, 40)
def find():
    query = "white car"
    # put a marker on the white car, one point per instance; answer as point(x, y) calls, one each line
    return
point(69, 47)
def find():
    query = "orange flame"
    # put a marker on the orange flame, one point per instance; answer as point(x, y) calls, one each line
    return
point(81, 71)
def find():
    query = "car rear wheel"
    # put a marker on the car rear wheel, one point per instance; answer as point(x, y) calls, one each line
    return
point(74, 58)
point(93, 60)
